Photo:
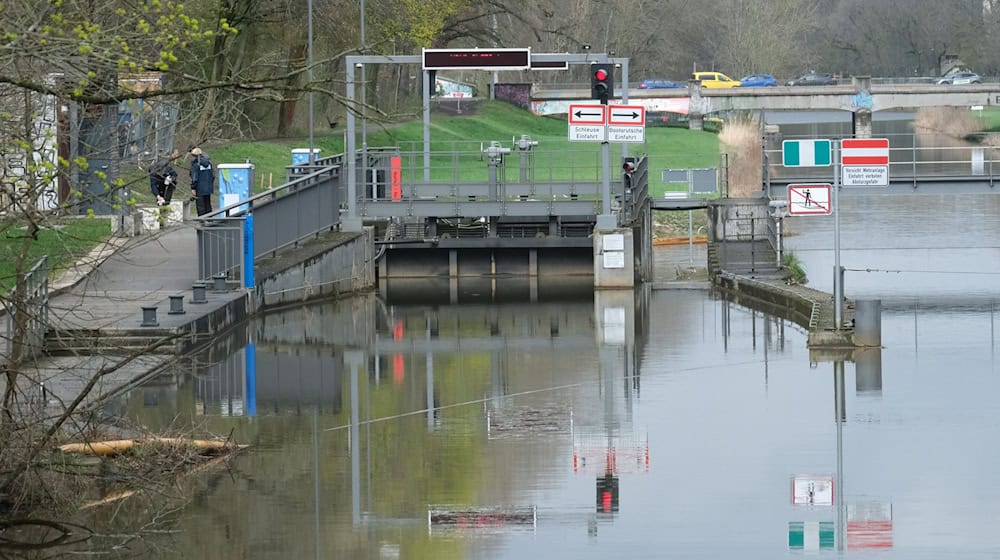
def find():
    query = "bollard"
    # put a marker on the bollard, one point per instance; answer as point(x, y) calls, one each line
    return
point(219, 283)
point(176, 305)
point(149, 316)
point(199, 293)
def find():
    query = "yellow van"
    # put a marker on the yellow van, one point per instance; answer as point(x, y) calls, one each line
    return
point(714, 80)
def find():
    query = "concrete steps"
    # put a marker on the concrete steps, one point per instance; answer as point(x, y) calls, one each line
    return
point(90, 341)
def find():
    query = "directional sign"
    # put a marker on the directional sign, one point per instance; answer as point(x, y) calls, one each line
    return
point(809, 200)
point(628, 115)
point(867, 151)
point(805, 153)
point(588, 114)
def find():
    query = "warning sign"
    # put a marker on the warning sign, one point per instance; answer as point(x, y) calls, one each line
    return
point(807, 200)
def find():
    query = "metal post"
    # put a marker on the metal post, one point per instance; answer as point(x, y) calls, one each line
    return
point(690, 237)
point(355, 435)
point(352, 170)
point(427, 126)
point(309, 74)
point(430, 382)
point(838, 287)
point(841, 503)
point(364, 97)
point(625, 98)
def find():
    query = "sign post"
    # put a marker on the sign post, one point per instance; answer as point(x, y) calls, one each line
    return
point(824, 153)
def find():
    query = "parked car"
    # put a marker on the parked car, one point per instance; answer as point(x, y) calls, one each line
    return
point(813, 79)
point(758, 80)
point(959, 78)
point(660, 84)
point(714, 80)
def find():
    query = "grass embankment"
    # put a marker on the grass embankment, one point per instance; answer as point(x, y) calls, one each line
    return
point(65, 241)
point(555, 156)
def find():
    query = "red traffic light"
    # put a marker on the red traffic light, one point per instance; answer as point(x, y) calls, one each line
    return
point(601, 74)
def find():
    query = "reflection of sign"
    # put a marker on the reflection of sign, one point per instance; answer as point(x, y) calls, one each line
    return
point(812, 490)
point(810, 535)
point(594, 454)
point(444, 519)
point(869, 524)
point(806, 200)
point(607, 494)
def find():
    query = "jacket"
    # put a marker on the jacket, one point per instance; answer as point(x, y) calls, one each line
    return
point(161, 177)
point(202, 176)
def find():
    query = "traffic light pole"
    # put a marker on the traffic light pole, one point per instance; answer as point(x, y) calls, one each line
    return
point(605, 220)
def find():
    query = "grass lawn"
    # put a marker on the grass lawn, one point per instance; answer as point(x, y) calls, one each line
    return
point(555, 156)
point(63, 240)
point(990, 118)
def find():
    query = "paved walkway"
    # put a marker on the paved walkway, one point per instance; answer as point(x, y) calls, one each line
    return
point(141, 271)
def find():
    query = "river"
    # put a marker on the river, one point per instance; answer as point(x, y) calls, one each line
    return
point(481, 429)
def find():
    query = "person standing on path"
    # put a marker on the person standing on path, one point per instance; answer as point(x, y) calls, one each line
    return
point(202, 181)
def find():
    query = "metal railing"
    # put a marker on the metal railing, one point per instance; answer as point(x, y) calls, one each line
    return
point(464, 179)
point(282, 217)
point(912, 157)
point(35, 302)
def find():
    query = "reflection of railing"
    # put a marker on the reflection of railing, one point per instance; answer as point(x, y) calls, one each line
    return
point(35, 302)
point(911, 157)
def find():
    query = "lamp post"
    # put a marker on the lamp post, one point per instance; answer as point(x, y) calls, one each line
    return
point(309, 77)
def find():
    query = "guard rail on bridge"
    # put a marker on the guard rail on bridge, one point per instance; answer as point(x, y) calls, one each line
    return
point(913, 158)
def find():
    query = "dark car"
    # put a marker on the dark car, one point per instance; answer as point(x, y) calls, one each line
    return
point(660, 84)
point(813, 79)
point(758, 80)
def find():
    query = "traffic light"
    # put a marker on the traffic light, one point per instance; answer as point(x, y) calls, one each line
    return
point(602, 81)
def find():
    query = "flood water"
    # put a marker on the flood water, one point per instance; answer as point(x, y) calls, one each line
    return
point(486, 430)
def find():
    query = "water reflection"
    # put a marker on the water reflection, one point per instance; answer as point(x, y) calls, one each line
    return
point(626, 423)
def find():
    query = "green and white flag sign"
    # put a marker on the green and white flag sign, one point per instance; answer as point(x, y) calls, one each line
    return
point(805, 153)
point(810, 535)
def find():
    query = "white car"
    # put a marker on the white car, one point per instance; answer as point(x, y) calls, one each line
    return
point(960, 78)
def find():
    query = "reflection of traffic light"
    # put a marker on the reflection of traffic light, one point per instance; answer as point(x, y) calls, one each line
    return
point(602, 85)
point(607, 494)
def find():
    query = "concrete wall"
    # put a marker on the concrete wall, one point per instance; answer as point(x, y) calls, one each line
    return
point(344, 269)
point(614, 258)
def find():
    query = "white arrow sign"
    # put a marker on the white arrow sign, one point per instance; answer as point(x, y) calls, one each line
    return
point(587, 114)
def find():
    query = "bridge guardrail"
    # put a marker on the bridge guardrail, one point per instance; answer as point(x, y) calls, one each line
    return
point(912, 157)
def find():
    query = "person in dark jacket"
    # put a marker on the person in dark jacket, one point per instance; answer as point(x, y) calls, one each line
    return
point(202, 181)
point(163, 180)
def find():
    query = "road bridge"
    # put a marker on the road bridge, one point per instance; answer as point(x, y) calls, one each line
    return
point(860, 97)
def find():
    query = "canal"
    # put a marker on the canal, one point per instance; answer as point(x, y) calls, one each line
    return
point(671, 423)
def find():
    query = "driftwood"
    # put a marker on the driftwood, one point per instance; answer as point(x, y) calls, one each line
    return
point(114, 447)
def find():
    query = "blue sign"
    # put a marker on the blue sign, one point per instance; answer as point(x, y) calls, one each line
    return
point(235, 183)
